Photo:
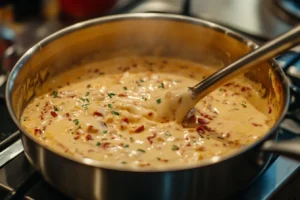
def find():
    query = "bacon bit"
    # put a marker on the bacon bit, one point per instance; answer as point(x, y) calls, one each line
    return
point(139, 129)
point(105, 145)
point(150, 114)
point(160, 139)
point(76, 137)
point(255, 124)
point(191, 119)
point(88, 137)
point(235, 94)
point(44, 128)
point(68, 83)
point(113, 137)
point(54, 114)
point(126, 120)
point(121, 144)
point(144, 164)
point(270, 110)
point(42, 116)
point(202, 121)
point(91, 150)
point(236, 85)
point(229, 84)
point(91, 129)
point(150, 138)
point(187, 137)
point(98, 114)
point(188, 145)
point(37, 131)
point(206, 116)
point(96, 70)
point(122, 95)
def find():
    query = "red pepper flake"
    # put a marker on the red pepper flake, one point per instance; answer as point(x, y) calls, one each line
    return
point(243, 89)
point(126, 120)
point(202, 121)
point(270, 110)
point(53, 114)
point(229, 84)
point(91, 129)
point(76, 137)
point(150, 114)
point(150, 138)
point(206, 116)
point(37, 131)
point(88, 137)
point(200, 129)
point(105, 145)
point(208, 128)
point(98, 114)
point(255, 124)
point(139, 129)
point(122, 95)
point(187, 137)
point(68, 116)
point(191, 119)
point(42, 116)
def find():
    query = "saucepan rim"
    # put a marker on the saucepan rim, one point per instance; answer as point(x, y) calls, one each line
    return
point(156, 16)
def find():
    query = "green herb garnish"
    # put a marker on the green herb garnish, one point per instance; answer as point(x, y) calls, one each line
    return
point(104, 132)
point(111, 95)
point(54, 94)
point(220, 137)
point(144, 98)
point(175, 148)
point(141, 80)
point(158, 101)
point(124, 162)
point(125, 88)
point(115, 113)
point(76, 121)
point(141, 150)
point(87, 93)
point(168, 134)
point(161, 85)
point(244, 105)
point(109, 105)
point(98, 144)
point(126, 146)
point(55, 108)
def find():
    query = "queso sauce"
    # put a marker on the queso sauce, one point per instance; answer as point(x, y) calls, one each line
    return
point(108, 111)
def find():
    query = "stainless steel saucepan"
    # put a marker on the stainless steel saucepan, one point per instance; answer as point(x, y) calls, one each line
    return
point(156, 35)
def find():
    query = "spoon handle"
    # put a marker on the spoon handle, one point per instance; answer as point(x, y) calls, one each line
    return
point(255, 57)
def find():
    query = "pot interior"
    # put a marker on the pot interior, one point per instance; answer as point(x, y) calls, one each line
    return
point(139, 35)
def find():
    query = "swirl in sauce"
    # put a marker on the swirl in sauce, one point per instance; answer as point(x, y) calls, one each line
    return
point(109, 111)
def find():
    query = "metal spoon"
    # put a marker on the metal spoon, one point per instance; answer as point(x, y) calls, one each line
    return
point(269, 50)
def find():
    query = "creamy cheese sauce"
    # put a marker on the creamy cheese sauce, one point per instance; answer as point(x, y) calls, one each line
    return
point(109, 111)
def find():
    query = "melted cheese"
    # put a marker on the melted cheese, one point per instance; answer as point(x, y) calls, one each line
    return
point(109, 111)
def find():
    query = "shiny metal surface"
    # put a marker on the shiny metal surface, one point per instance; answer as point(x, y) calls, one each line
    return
point(255, 17)
point(156, 35)
point(9, 153)
point(246, 63)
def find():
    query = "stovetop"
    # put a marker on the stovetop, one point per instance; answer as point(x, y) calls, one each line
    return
point(281, 178)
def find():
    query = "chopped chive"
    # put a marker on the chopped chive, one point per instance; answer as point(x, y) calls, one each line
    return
point(111, 95)
point(141, 150)
point(126, 146)
point(87, 93)
point(104, 132)
point(144, 98)
point(244, 105)
point(168, 134)
point(131, 139)
point(175, 148)
point(110, 106)
point(85, 106)
point(158, 101)
point(55, 108)
point(161, 85)
point(115, 113)
point(54, 94)
point(98, 144)
point(76, 121)
point(125, 88)
point(201, 135)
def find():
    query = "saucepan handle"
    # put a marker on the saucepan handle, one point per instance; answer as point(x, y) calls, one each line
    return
point(9, 59)
point(288, 148)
